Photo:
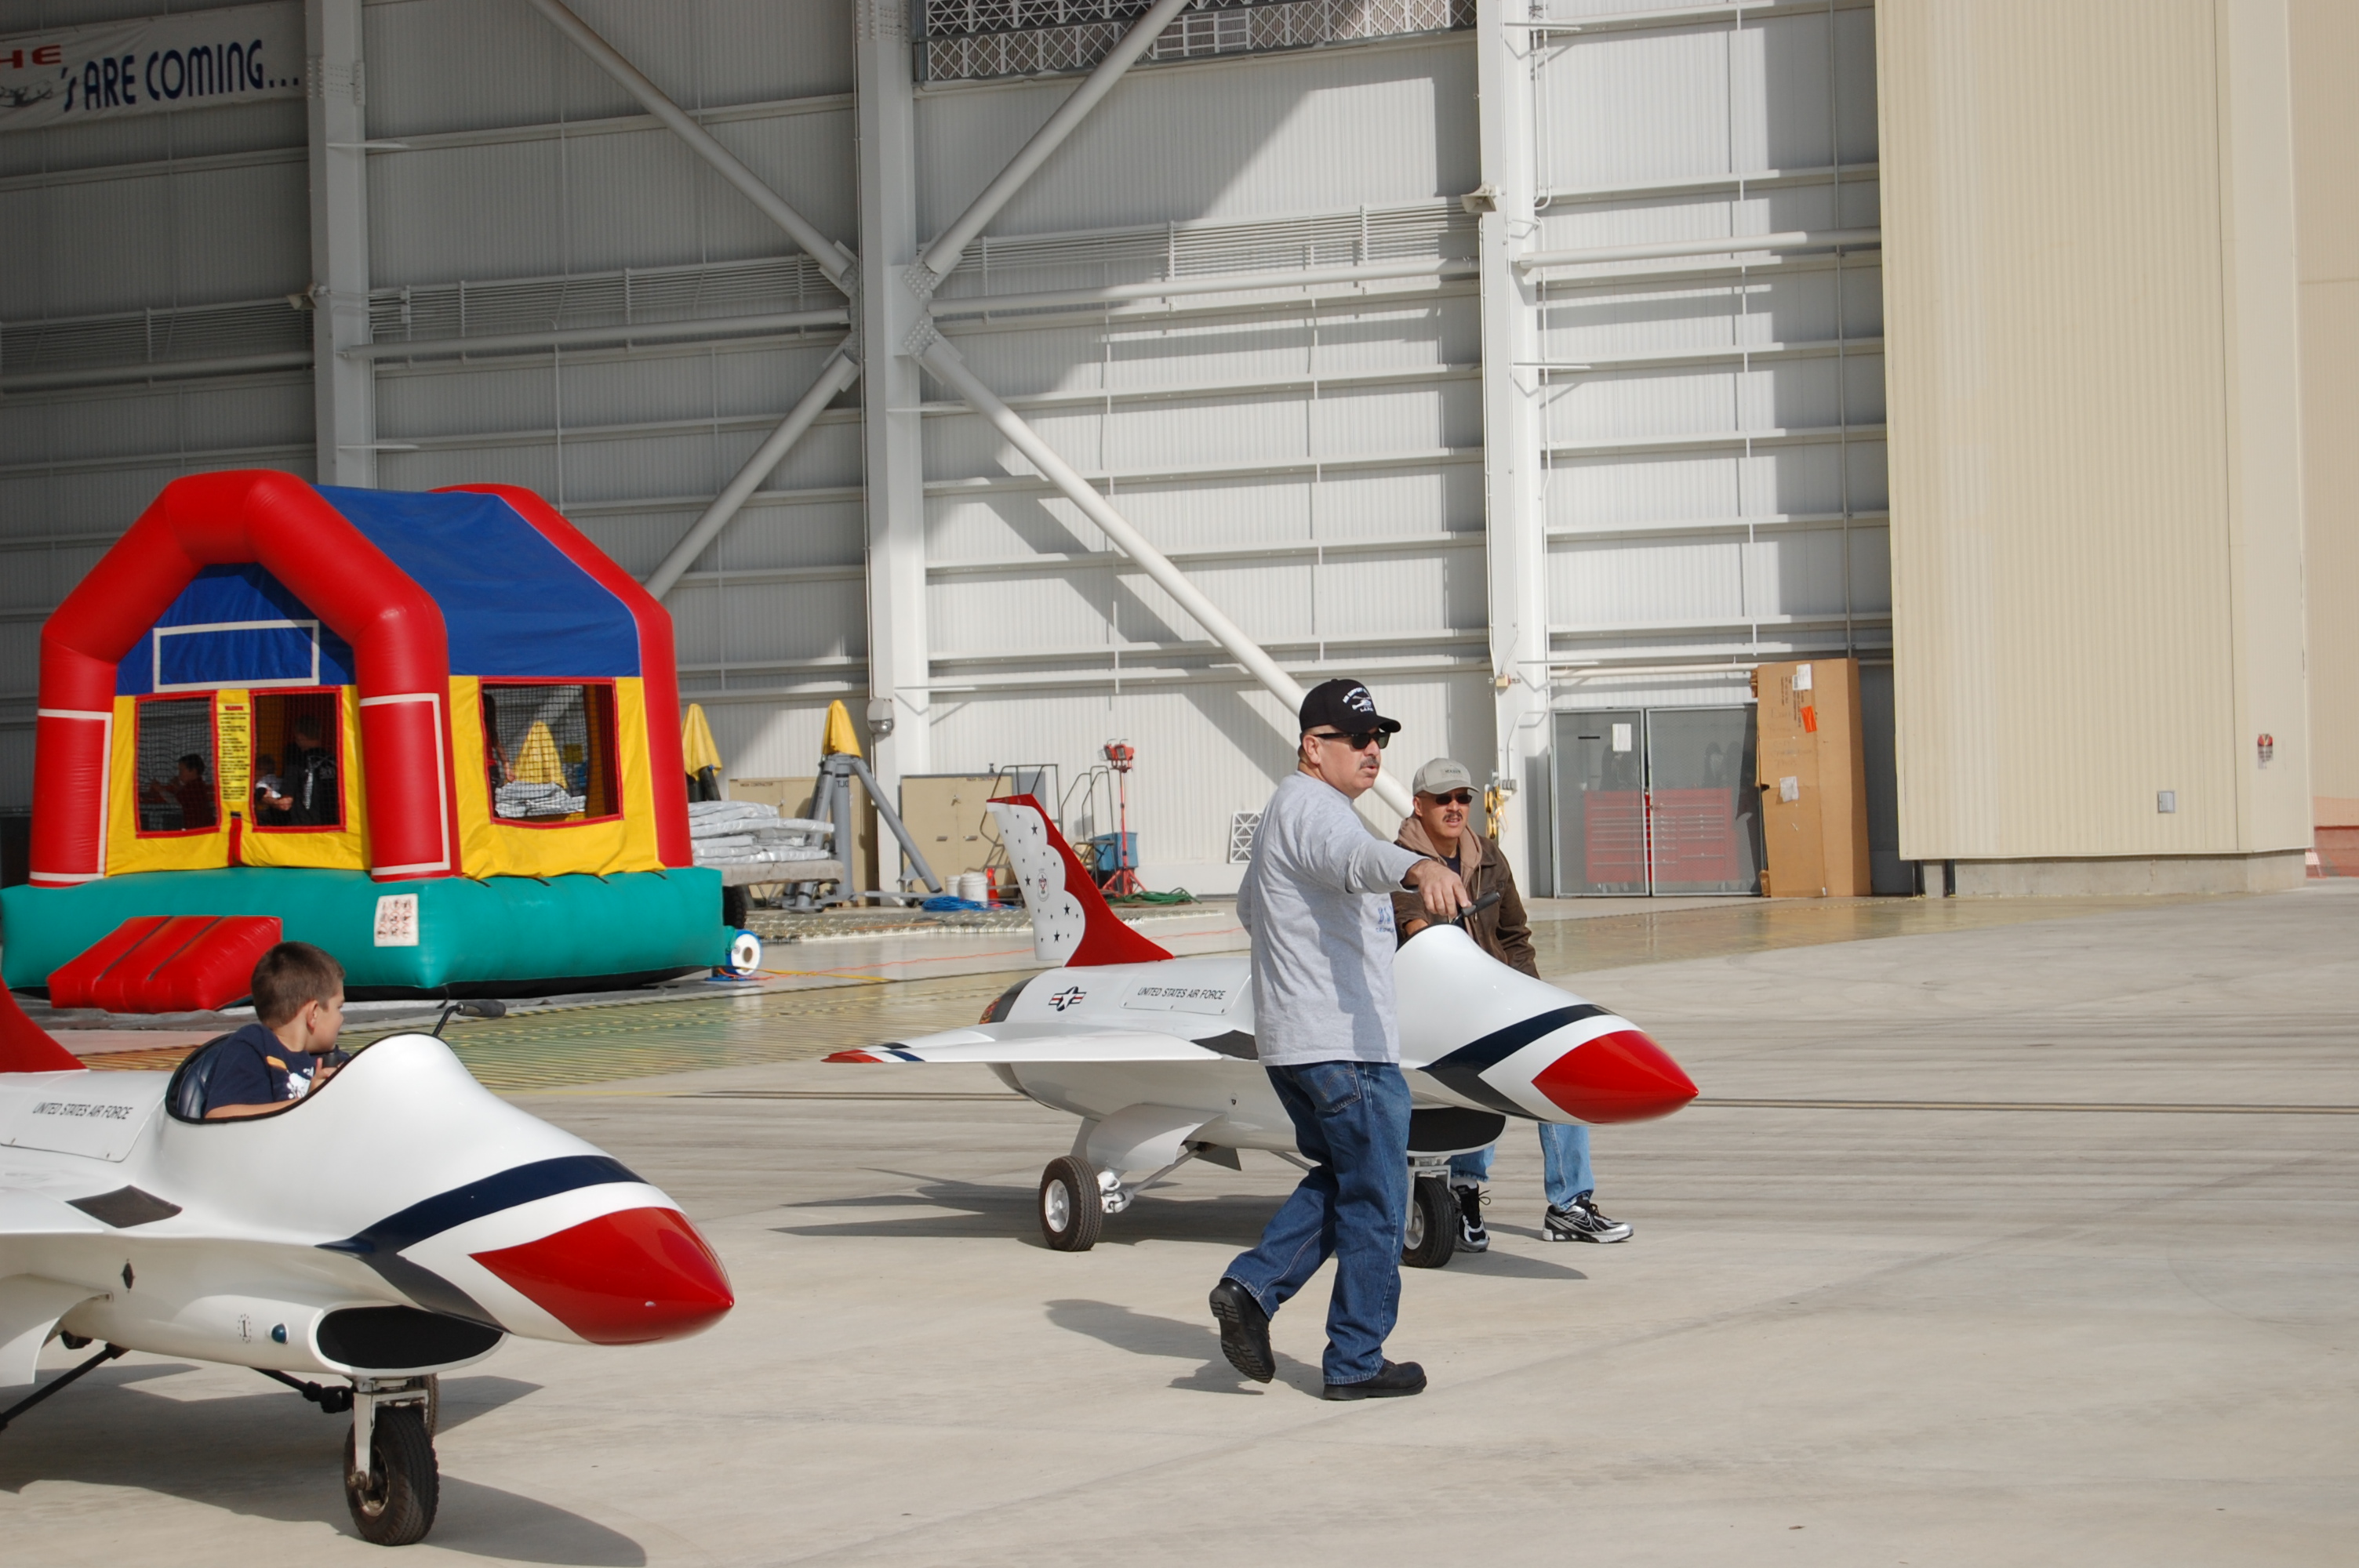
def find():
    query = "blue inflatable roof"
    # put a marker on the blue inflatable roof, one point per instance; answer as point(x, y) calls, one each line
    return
point(513, 605)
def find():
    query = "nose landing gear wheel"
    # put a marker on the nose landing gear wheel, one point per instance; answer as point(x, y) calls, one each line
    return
point(395, 1505)
point(1431, 1234)
point(1073, 1215)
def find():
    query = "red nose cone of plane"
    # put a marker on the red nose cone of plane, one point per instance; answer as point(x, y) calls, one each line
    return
point(1620, 1076)
point(621, 1279)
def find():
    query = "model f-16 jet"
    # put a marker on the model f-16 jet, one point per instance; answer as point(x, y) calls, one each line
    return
point(1155, 1053)
point(395, 1224)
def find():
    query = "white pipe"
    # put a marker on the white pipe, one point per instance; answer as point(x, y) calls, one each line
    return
point(1791, 239)
point(945, 362)
point(1210, 283)
point(953, 242)
point(830, 256)
point(839, 373)
point(572, 337)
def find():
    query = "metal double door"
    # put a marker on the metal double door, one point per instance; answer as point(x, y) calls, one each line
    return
point(1656, 801)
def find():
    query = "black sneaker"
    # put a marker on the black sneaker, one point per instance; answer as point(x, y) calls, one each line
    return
point(1397, 1380)
point(1245, 1331)
point(1473, 1234)
point(1582, 1222)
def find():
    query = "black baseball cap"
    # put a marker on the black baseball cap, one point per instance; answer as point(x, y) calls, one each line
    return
point(1344, 706)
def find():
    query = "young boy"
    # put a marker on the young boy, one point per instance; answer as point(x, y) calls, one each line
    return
point(298, 1002)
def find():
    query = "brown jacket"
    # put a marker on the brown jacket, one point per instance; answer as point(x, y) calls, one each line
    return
point(1501, 930)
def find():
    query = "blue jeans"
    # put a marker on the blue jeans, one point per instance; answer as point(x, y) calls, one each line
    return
point(1564, 1150)
point(1351, 1121)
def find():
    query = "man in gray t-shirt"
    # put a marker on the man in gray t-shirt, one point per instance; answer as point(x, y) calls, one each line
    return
point(1317, 902)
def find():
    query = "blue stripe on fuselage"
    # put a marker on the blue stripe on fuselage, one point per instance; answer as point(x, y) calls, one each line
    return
point(501, 1190)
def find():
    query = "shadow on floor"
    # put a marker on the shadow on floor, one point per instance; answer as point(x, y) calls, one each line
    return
point(270, 1455)
point(979, 1210)
point(1142, 1333)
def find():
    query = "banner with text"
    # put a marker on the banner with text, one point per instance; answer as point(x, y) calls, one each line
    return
point(191, 60)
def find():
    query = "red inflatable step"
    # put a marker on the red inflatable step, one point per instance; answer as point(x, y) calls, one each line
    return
point(181, 963)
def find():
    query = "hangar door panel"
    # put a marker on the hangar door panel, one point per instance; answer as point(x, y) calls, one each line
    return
point(1702, 820)
point(1656, 801)
point(1601, 780)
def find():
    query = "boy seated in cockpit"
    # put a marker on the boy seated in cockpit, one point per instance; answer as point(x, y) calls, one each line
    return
point(290, 1049)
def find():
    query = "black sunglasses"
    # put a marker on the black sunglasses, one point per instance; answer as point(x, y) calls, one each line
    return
point(1456, 797)
point(1361, 741)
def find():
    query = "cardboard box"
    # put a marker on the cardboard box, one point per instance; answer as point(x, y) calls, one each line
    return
point(1812, 772)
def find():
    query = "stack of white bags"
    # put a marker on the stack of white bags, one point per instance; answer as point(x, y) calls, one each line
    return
point(746, 832)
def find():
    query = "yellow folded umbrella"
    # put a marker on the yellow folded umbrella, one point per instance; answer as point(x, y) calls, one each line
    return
point(840, 736)
point(696, 745)
point(537, 760)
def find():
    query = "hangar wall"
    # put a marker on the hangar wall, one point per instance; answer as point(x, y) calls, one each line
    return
point(1577, 403)
point(2096, 505)
point(145, 332)
point(2326, 185)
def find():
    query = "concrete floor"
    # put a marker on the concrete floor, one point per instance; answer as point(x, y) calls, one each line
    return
point(1875, 1327)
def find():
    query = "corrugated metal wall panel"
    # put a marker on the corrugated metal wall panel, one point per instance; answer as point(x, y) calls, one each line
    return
point(1704, 127)
point(184, 238)
point(1301, 132)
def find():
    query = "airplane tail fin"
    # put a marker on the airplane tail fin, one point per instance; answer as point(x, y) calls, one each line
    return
point(25, 1046)
point(1070, 921)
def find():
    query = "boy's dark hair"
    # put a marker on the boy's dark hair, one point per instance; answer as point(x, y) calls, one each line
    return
point(192, 761)
point(291, 975)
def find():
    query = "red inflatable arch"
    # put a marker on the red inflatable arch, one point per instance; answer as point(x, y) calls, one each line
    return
point(395, 631)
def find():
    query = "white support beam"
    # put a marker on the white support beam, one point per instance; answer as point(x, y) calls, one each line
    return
point(711, 328)
point(892, 426)
point(840, 372)
point(831, 257)
point(1512, 457)
point(1209, 283)
point(343, 395)
point(1731, 244)
point(951, 242)
point(952, 371)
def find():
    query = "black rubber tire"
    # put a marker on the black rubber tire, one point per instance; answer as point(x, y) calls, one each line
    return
point(1073, 1215)
point(733, 905)
point(1431, 1233)
point(398, 1508)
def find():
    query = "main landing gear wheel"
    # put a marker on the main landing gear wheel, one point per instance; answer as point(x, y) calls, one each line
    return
point(395, 1505)
point(1431, 1234)
point(1072, 1215)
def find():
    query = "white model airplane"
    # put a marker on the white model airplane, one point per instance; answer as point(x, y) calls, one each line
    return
point(1155, 1053)
point(395, 1224)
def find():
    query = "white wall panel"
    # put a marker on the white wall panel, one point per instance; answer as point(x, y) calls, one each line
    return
point(466, 65)
point(1752, 115)
point(1310, 132)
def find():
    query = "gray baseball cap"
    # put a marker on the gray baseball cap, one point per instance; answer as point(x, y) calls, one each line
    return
point(1440, 776)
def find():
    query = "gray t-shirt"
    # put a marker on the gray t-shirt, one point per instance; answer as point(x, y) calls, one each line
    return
point(1316, 901)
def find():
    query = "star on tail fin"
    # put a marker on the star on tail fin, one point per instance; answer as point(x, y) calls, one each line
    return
point(1070, 921)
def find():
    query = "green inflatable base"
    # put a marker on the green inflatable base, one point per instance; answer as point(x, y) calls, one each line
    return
point(498, 936)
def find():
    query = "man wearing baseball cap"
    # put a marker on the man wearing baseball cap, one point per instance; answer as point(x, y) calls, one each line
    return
point(1444, 793)
point(1314, 902)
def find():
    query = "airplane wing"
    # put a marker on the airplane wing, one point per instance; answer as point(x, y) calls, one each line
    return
point(1016, 1044)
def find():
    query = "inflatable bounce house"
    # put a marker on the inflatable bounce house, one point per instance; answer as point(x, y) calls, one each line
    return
point(437, 734)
